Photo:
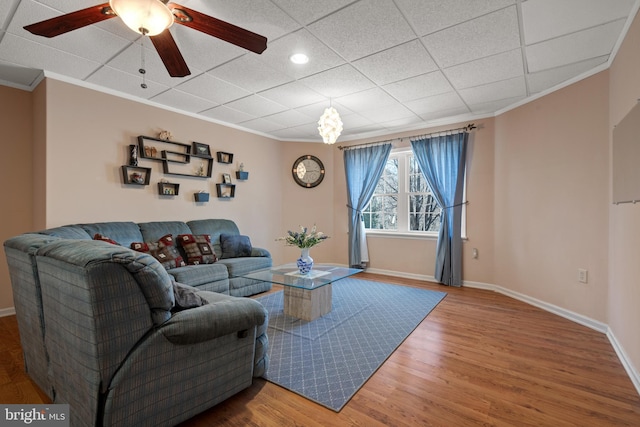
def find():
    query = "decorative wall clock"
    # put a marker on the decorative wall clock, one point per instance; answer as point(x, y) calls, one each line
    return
point(308, 171)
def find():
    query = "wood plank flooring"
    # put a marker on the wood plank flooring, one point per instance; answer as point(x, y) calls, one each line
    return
point(479, 358)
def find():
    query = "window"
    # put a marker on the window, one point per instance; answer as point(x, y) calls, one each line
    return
point(402, 201)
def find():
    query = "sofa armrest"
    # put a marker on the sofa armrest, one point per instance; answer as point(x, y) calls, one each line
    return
point(219, 317)
point(260, 252)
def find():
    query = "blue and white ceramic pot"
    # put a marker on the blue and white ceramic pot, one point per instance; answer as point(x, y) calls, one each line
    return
point(305, 262)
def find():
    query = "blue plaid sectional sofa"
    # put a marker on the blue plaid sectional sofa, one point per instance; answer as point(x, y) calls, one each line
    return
point(133, 338)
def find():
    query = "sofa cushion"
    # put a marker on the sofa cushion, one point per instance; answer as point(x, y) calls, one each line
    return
point(196, 275)
point(123, 232)
point(163, 250)
point(67, 232)
point(239, 266)
point(152, 231)
point(235, 246)
point(197, 248)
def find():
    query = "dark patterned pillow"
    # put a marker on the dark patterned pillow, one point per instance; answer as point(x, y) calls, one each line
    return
point(99, 236)
point(163, 250)
point(235, 246)
point(198, 248)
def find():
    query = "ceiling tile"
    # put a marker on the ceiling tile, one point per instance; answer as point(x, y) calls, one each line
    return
point(494, 91)
point(126, 83)
point(373, 25)
point(201, 51)
point(490, 34)
point(227, 115)
point(260, 16)
point(261, 125)
point(429, 16)
point(292, 95)
point(14, 75)
point(256, 106)
point(575, 47)
point(546, 79)
point(490, 69)
point(442, 102)
point(419, 87)
point(306, 12)
point(89, 42)
point(398, 63)
point(489, 107)
point(302, 41)
point(548, 19)
point(6, 11)
point(183, 101)
point(250, 73)
point(367, 100)
point(338, 81)
point(387, 113)
point(27, 53)
point(291, 118)
point(208, 87)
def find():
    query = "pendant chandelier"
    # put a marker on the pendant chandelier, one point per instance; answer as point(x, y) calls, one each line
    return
point(330, 126)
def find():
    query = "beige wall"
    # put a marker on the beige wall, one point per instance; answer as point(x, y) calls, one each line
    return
point(624, 237)
point(88, 134)
point(551, 198)
point(16, 173)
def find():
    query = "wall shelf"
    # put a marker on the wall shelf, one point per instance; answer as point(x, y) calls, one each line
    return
point(226, 191)
point(168, 188)
point(136, 175)
point(224, 157)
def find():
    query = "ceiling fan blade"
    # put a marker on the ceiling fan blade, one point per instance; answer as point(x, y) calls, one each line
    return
point(71, 21)
point(217, 28)
point(170, 54)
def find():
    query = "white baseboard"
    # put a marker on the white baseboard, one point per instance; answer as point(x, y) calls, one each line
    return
point(562, 312)
point(7, 311)
point(628, 366)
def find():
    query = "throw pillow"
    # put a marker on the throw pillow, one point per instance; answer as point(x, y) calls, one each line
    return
point(198, 248)
point(99, 236)
point(163, 250)
point(186, 297)
point(235, 246)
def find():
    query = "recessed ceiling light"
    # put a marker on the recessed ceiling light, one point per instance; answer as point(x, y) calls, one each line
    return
point(299, 58)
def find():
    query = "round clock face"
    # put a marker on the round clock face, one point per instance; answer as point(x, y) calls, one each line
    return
point(308, 171)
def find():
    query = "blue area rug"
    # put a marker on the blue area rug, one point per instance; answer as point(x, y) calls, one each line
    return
point(328, 359)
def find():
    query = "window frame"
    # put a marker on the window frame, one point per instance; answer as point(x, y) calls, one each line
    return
point(404, 232)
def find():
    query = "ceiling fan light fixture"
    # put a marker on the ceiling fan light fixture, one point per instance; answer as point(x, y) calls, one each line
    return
point(146, 17)
point(330, 126)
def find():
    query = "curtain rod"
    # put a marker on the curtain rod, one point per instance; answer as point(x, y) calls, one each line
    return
point(468, 127)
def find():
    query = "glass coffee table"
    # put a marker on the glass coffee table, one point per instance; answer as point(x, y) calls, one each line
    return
point(306, 296)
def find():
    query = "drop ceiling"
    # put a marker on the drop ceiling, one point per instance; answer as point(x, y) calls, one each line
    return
point(386, 65)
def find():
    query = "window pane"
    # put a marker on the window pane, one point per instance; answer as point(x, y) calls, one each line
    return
point(424, 213)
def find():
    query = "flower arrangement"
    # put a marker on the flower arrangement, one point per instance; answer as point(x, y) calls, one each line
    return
point(304, 239)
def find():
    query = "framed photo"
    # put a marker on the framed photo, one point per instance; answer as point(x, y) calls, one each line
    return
point(201, 149)
point(226, 178)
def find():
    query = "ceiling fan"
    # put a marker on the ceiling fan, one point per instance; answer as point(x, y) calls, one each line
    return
point(153, 18)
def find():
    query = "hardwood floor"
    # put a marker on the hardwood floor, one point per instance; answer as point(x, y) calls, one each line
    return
point(479, 358)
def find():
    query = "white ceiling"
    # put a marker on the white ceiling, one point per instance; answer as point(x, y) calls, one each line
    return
point(386, 65)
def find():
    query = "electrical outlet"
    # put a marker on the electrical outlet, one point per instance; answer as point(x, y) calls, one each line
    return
point(475, 253)
point(583, 275)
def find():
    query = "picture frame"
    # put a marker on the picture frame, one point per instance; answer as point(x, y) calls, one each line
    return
point(202, 150)
point(226, 178)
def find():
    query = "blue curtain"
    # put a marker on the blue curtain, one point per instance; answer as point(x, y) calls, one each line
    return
point(363, 167)
point(442, 160)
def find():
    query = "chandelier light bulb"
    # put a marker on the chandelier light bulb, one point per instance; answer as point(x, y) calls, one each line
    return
point(147, 17)
point(330, 126)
